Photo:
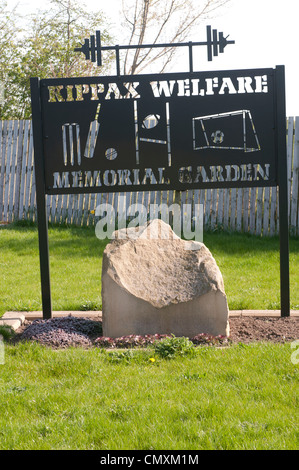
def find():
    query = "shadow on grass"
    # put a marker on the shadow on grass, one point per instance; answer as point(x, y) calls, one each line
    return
point(63, 240)
point(78, 241)
point(232, 242)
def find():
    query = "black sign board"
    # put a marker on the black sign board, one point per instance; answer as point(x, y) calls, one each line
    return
point(180, 131)
point(149, 132)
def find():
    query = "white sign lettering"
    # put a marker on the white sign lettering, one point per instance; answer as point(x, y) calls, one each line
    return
point(160, 88)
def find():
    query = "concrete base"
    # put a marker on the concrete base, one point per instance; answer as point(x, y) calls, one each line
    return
point(12, 319)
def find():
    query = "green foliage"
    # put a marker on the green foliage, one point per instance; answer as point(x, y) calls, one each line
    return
point(45, 49)
point(6, 332)
point(169, 348)
point(90, 305)
point(122, 357)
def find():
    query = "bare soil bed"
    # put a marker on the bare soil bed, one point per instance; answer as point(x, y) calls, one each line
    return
point(253, 329)
point(86, 332)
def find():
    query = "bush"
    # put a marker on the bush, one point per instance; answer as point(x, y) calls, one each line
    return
point(171, 347)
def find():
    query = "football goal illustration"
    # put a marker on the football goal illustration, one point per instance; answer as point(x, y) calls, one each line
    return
point(233, 130)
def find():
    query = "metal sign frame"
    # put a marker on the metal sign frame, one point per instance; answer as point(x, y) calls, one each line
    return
point(54, 133)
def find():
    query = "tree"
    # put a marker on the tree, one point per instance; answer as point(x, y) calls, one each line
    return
point(46, 50)
point(7, 49)
point(7, 28)
point(162, 21)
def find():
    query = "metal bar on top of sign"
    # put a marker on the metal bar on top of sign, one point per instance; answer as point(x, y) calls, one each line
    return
point(215, 43)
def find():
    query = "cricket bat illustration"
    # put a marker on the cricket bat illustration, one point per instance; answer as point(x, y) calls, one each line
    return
point(71, 141)
point(92, 135)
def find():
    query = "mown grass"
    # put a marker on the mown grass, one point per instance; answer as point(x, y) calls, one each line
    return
point(249, 264)
point(239, 397)
point(75, 265)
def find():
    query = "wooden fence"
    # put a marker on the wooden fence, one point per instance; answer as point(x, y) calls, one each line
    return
point(253, 210)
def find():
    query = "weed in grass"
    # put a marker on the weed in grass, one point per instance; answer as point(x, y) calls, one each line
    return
point(90, 305)
point(16, 389)
point(131, 356)
point(189, 376)
point(168, 348)
point(123, 357)
point(6, 332)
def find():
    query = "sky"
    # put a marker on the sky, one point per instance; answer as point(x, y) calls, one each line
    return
point(265, 34)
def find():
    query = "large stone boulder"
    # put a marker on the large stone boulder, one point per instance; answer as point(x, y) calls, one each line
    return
point(155, 282)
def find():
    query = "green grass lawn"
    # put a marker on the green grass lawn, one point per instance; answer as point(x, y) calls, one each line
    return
point(236, 397)
point(239, 397)
point(249, 264)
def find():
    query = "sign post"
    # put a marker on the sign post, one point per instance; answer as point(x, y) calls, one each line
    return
point(283, 192)
point(182, 131)
point(41, 197)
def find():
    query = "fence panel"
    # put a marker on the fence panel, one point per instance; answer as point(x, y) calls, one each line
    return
point(294, 183)
point(253, 210)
